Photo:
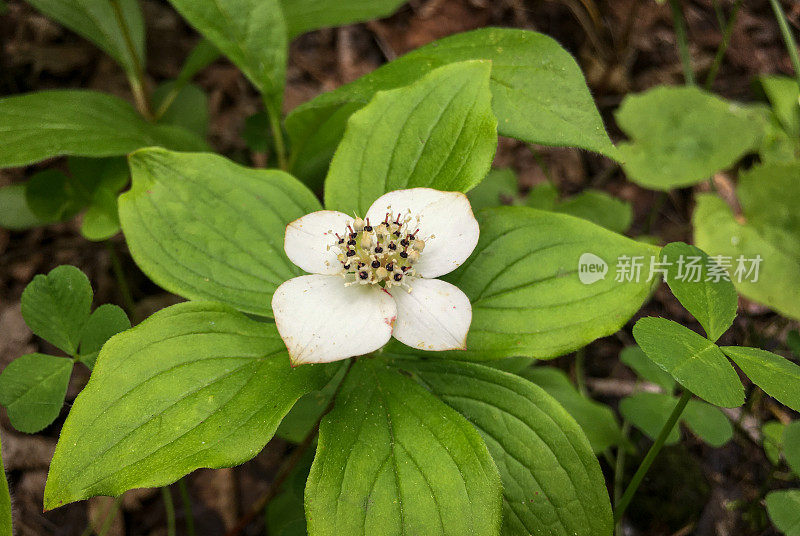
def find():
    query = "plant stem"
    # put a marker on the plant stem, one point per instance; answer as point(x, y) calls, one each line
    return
point(619, 471)
point(791, 46)
point(169, 508)
point(723, 47)
point(187, 506)
point(136, 78)
point(683, 41)
point(580, 373)
point(286, 467)
point(650, 456)
point(124, 288)
point(277, 135)
point(111, 515)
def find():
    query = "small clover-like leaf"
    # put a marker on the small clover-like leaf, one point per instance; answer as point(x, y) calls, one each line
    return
point(771, 252)
point(56, 306)
point(772, 440)
point(51, 196)
point(5, 501)
point(779, 377)
point(635, 358)
point(670, 148)
point(104, 322)
point(783, 508)
point(649, 412)
point(711, 300)
point(32, 389)
point(791, 446)
point(691, 360)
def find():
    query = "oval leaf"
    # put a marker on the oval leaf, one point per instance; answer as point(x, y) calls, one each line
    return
point(711, 300)
point(438, 132)
point(392, 459)
point(205, 228)
point(596, 420)
point(783, 508)
point(116, 27)
point(56, 306)
point(691, 360)
point(195, 385)
point(527, 295)
point(552, 483)
point(32, 389)
point(778, 376)
point(539, 94)
point(5, 501)
point(791, 446)
point(717, 231)
point(251, 33)
point(306, 15)
point(104, 322)
point(670, 148)
point(44, 124)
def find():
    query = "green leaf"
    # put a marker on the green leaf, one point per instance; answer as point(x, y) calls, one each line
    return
point(256, 132)
point(40, 125)
point(14, 211)
point(419, 466)
point(105, 322)
point(772, 440)
point(5, 497)
point(793, 342)
point(712, 302)
point(778, 376)
point(51, 197)
point(116, 27)
point(302, 418)
point(251, 33)
point(101, 219)
point(691, 359)
point(32, 389)
point(649, 412)
point(195, 385)
point(708, 422)
point(791, 446)
point(769, 195)
point(538, 94)
point(56, 306)
point(285, 514)
point(597, 420)
point(635, 358)
point(526, 293)
point(670, 148)
point(438, 132)
point(784, 96)
point(201, 56)
point(499, 186)
point(306, 15)
point(718, 232)
point(189, 109)
point(600, 208)
point(205, 228)
point(783, 508)
point(552, 483)
point(543, 196)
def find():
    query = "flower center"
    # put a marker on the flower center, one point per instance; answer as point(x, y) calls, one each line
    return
point(382, 254)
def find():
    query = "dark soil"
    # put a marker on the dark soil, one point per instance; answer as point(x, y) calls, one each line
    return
point(622, 45)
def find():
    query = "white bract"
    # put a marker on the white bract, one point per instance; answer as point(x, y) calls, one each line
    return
point(373, 277)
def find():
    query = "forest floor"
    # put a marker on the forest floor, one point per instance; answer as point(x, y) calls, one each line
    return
point(623, 46)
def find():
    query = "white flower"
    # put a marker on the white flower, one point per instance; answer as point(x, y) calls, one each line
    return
point(373, 278)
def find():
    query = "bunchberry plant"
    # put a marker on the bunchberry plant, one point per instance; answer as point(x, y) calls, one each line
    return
point(392, 326)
